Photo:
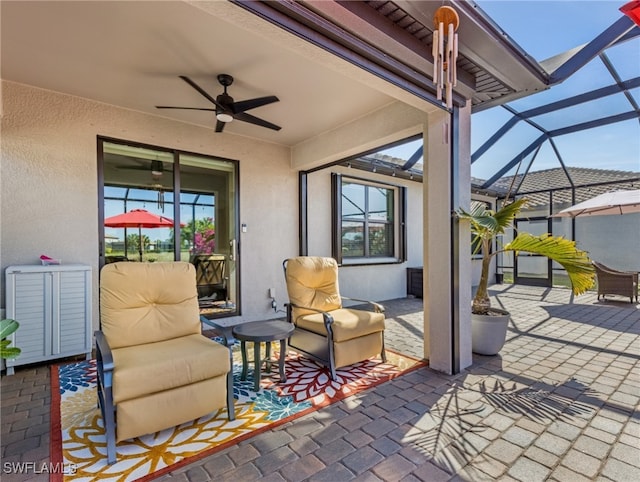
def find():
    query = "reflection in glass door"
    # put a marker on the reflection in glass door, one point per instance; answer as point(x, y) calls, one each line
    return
point(208, 211)
point(532, 269)
point(201, 229)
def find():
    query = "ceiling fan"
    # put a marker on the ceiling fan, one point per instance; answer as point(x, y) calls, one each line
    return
point(226, 109)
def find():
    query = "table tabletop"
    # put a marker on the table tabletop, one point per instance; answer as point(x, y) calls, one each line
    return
point(263, 330)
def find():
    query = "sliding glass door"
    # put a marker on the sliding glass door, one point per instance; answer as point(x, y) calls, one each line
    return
point(140, 220)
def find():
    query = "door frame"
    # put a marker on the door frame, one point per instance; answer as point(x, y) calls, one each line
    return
point(528, 281)
point(234, 234)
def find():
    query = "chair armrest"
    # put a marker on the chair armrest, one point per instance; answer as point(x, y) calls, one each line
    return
point(225, 331)
point(104, 359)
point(378, 308)
point(616, 272)
point(328, 319)
point(104, 351)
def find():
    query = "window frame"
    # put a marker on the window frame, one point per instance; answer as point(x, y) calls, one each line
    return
point(398, 222)
point(475, 242)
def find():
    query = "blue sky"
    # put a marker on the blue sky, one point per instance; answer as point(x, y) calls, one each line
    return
point(544, 29)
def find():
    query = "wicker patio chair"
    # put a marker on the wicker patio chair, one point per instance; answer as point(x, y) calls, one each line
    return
point(614, 282)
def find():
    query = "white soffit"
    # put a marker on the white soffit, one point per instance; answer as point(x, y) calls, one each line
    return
point(130, 54)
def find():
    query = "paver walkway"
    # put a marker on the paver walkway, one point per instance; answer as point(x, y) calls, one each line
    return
point(560, 403)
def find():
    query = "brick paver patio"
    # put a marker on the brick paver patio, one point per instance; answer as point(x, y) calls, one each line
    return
point(559, 403)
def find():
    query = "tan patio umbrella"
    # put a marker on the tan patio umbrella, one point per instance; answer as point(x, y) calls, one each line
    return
point(618, 202)
point(138, 218)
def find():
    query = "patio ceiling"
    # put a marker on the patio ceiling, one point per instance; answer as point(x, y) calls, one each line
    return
point(130, 54)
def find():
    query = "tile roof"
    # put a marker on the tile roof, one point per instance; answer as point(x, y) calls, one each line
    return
point(536, 185)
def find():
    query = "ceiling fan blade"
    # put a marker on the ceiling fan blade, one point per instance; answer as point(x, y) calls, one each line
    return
point(244, 117)
point(220, 126)
point(244, 105)
point(201, 91)
point(188, 108)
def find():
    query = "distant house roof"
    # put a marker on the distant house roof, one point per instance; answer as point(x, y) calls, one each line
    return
point(588, 183)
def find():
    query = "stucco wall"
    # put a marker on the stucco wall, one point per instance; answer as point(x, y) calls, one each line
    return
point(612, 240)
point(374, 282)
point(49, 189)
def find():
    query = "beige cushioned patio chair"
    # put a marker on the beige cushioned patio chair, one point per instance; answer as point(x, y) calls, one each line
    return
point(614, 282)
point(326, 331)
point(155, 368)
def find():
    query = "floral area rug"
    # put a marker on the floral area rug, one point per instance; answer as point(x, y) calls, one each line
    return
point(78, 441)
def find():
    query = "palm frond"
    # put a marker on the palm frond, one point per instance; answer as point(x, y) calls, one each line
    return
point(563, 251)
point(488, 223)
point(505, 215)
point(482, 219)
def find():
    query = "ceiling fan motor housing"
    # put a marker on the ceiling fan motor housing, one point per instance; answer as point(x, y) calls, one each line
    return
point(225, 79)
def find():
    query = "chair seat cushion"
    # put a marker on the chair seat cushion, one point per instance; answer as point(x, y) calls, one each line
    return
point(154, 367)
point(348, 323)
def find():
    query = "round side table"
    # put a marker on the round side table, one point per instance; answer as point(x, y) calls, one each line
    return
point(258, 332)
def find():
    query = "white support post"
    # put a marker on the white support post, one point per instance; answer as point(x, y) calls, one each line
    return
point(447, 258)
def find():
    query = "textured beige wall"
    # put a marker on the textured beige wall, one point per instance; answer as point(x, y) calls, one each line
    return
point(49, 189)
point(391, 123)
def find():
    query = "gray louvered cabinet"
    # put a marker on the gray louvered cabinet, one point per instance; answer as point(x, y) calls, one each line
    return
point(53, 306)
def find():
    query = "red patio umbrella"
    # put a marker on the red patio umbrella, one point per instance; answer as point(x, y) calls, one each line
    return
point(138, 218)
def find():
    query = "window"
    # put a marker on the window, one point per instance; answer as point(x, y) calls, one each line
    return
point(475, 242)
point(368, 220)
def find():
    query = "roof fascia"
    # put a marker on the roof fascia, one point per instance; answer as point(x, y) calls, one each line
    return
point(485, 43)
point(298, 19)
point(366, 23)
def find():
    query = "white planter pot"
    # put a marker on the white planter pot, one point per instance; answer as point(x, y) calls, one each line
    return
point(489, 332)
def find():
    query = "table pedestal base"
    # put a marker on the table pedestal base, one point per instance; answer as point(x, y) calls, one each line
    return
point(258, 360)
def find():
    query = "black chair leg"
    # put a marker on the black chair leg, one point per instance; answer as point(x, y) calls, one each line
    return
point(332, 369)
point(383, 353)
point(108, 414)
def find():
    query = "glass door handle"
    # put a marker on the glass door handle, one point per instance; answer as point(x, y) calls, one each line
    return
point(233, 250)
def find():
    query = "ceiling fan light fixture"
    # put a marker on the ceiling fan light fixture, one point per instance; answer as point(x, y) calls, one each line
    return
point(156, 168)
point(224, 117)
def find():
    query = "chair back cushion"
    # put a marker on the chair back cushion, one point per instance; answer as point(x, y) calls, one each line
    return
point(148, 302)
point(313, 281)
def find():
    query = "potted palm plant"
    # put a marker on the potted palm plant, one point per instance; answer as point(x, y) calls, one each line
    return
point(488, 324)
